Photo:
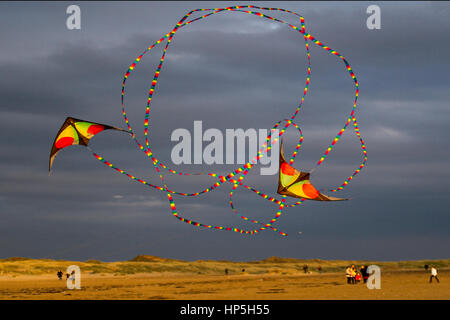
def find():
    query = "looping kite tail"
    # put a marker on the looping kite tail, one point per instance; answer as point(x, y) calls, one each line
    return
point(291, 182)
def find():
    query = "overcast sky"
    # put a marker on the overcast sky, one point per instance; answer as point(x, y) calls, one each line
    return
point(231, 70)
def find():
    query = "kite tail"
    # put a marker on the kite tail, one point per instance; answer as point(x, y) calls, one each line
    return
point(264, 149)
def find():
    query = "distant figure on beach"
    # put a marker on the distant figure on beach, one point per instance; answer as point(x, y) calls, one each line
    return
point(364, 273)
point(434, 274)
point(353, 273)
point(348, 274)
point(319, 268)
point(72, 276)
point(426, 267)
point(67, 276)
point(358, 277)
point(226, 271)
point(305, 268)
point(243, 270)
point(59, 274)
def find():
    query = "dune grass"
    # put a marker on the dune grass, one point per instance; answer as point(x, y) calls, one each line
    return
point(150, 264)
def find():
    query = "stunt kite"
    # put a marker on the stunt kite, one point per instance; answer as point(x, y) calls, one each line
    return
point(296, 184)
point(76, 131)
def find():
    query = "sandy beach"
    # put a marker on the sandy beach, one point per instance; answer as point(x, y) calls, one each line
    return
point(162, 286)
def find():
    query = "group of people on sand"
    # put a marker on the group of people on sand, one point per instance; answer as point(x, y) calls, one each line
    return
point(354, 276)
point(60, 274)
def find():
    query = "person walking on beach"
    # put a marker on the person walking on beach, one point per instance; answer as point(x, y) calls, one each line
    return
point(59, 274)
point(348, 274)
point(353, 273)
point(434, 274)
point(364, 273)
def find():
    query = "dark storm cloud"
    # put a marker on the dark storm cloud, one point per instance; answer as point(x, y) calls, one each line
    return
point(230, 71)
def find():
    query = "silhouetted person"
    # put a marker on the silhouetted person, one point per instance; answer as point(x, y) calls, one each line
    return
point(426, 267)
point(434, 274)
point(59, 274)
point(319, 268)
point(364, 273)
point(226, 271)
point(305, 268)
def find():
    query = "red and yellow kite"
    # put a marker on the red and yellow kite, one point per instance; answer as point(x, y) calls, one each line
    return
point(296, 184)
point(73, 132)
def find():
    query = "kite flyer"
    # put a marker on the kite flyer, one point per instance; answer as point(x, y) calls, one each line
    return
point(434, 274)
